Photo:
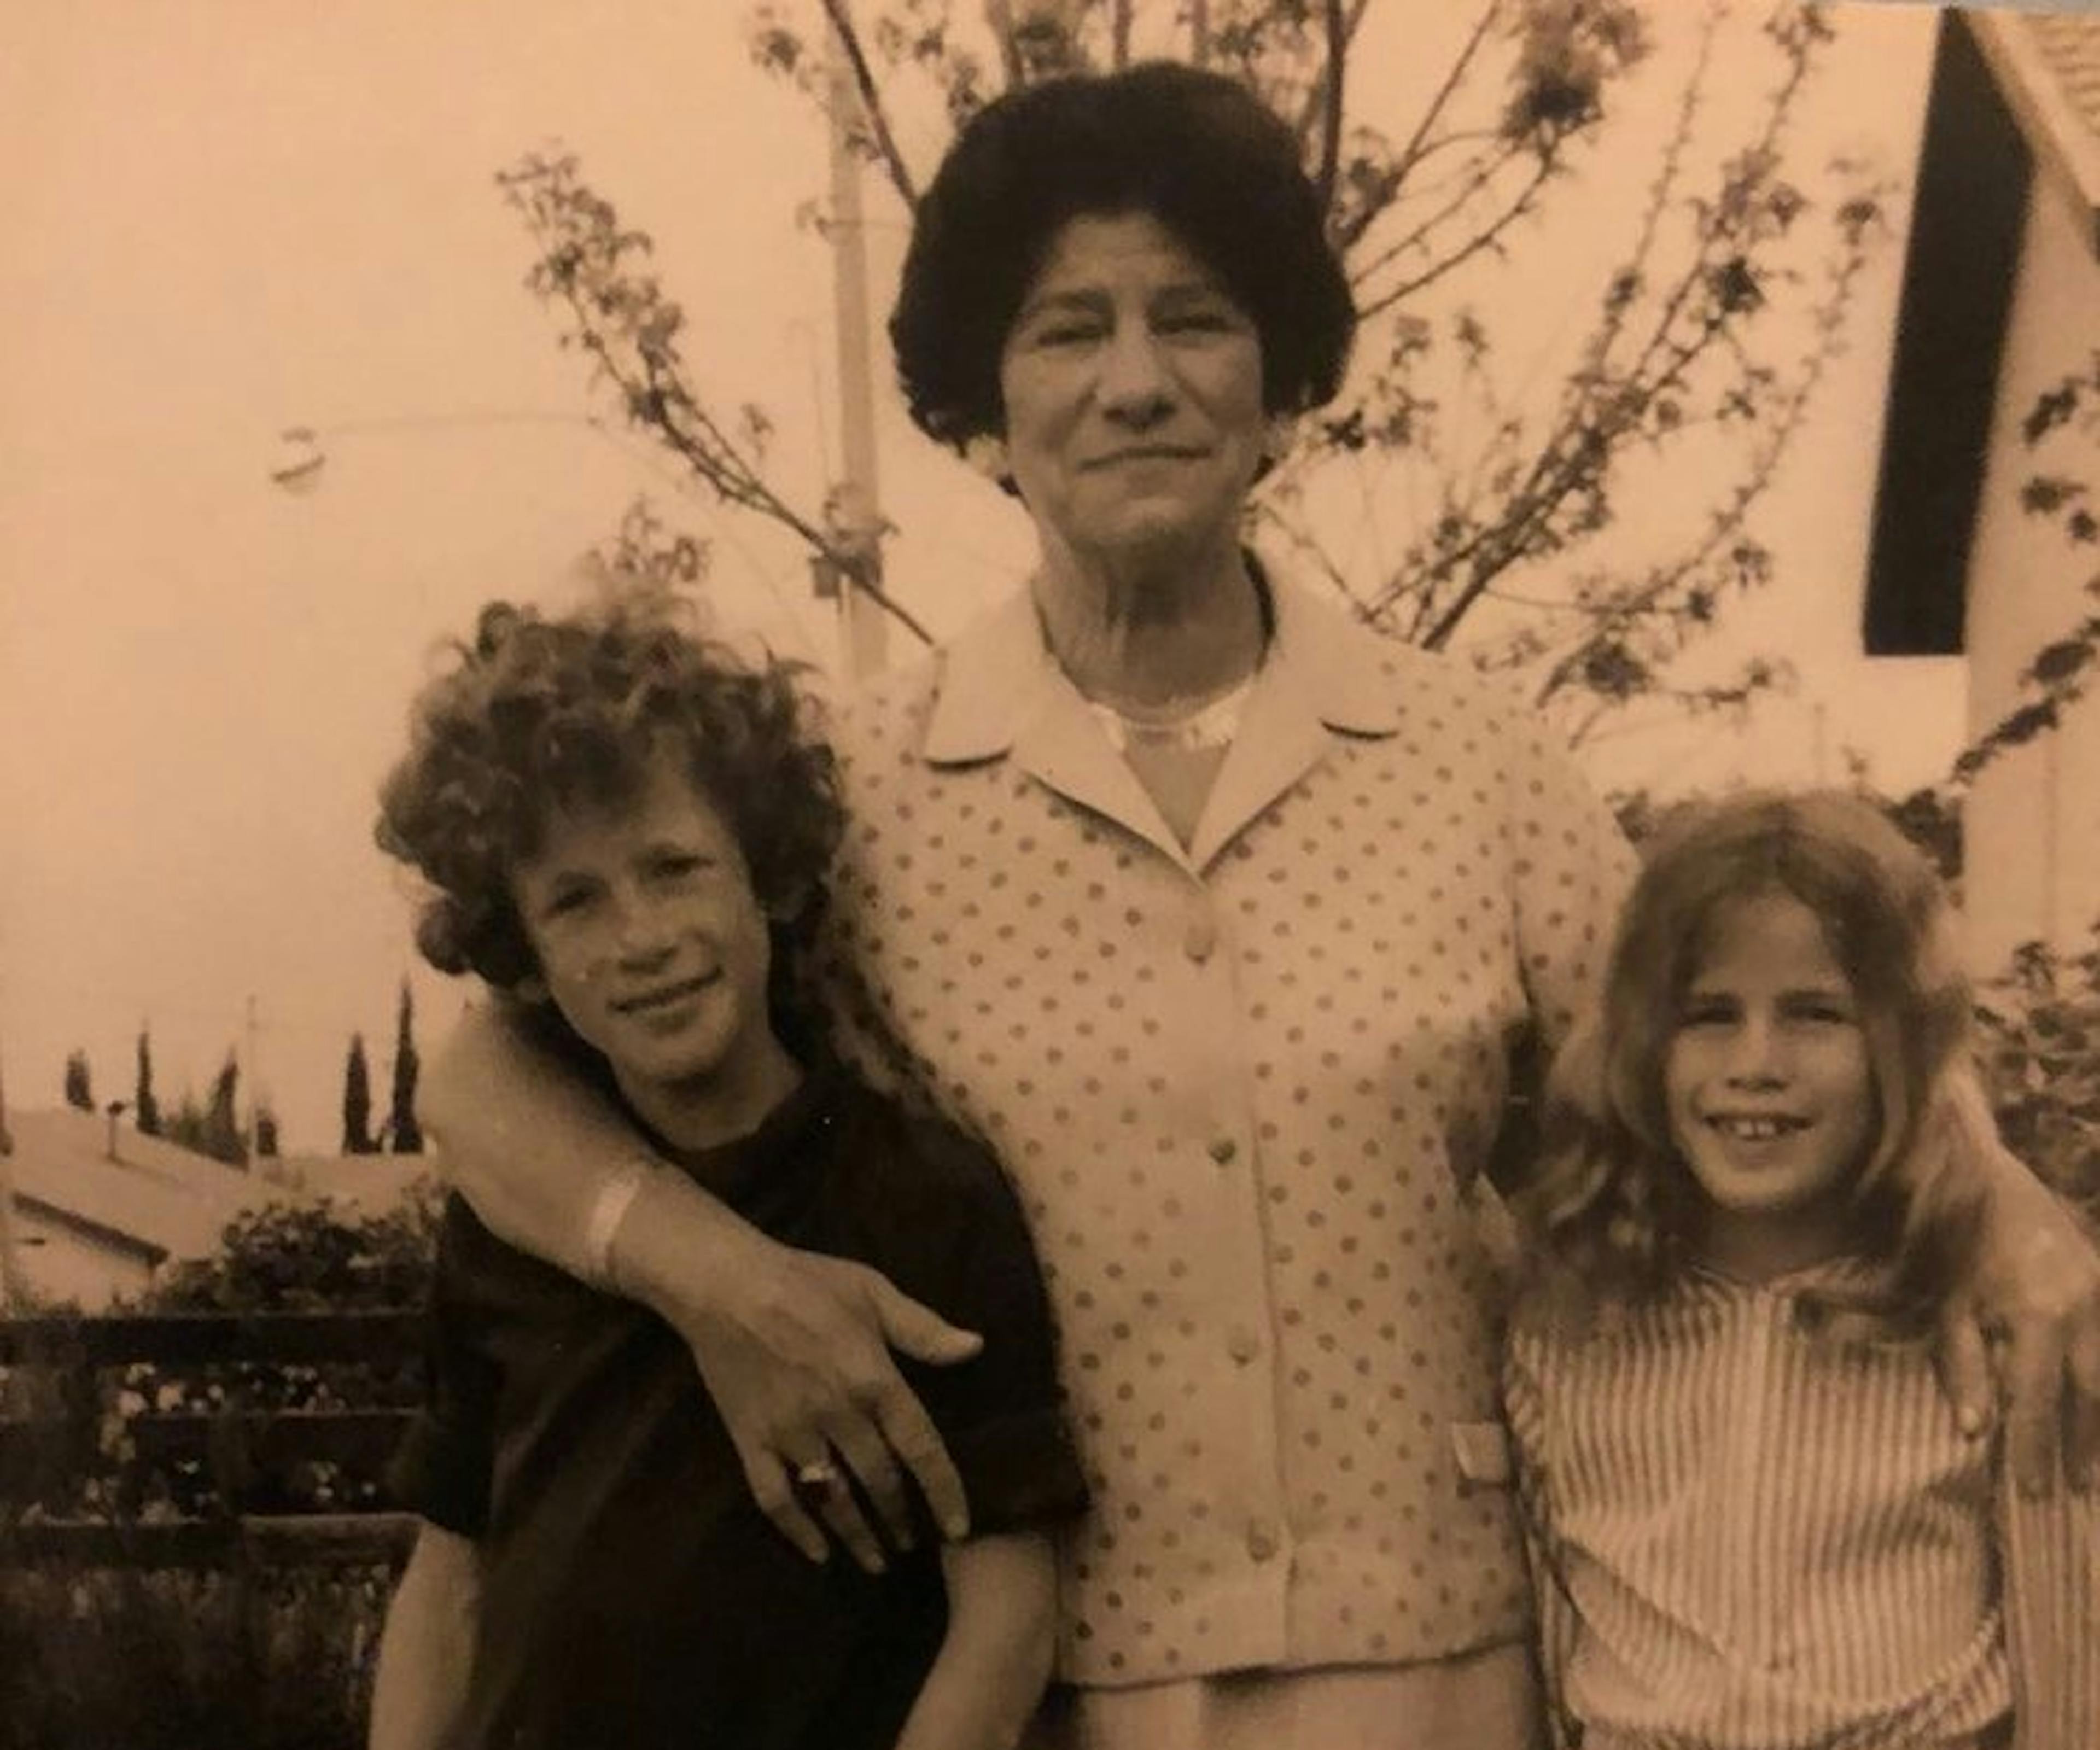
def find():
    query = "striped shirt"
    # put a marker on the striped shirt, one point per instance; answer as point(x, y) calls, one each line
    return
point(1750, 1532)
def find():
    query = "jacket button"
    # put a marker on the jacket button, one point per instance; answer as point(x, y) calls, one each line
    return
point(1261, 1543)
point(1224, 1151)
point(1199, 942)
point(1242, 1345)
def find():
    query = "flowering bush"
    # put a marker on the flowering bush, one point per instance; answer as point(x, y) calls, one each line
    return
point(2042, 1040)
point(319, 1257)
point(246, 1655)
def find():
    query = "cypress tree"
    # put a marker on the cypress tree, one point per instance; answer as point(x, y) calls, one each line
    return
point(407, 1135)
point(357, 1100)
point(222, 1140)
point(79, 1083)
point(145, 1109)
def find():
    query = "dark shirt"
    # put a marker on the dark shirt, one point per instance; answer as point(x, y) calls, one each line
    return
point(632, 1595)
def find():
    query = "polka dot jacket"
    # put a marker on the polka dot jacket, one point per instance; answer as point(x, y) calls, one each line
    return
point(1245, 1089)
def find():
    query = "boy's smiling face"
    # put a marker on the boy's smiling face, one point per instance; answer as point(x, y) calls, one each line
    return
point(655, 947)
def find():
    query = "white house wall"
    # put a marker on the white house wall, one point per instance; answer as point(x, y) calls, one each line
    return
point(2033, 820)
point(58, 1263)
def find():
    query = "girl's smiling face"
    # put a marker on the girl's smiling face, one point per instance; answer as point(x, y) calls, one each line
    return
point(1769, 1089)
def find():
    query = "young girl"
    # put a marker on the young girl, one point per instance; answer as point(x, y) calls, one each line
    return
point(1753, 1521)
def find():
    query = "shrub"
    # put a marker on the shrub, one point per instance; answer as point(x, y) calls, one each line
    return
point(2041, 1039)
point(310, 1258)
point(171, 1660)
point(277, 1656)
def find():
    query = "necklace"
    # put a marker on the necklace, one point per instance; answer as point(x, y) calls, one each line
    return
point(1209, 726)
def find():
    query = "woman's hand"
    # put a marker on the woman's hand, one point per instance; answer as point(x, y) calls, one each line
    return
point(2038, 1296)
point(795, 1348)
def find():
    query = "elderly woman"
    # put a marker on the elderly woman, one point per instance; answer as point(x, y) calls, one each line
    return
point(1217, 915)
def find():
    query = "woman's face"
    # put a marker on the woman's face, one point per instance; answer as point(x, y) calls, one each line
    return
point(1133, 388)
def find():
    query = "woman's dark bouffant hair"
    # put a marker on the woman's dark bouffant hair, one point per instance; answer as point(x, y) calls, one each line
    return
point(1612, 1207)
point(537, 714)
point(1196, 150)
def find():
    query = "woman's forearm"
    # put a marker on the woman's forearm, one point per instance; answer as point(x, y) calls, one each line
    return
point(2020, 1207)
point(795, 1346)
point(553, 1169)
point(2038, 1284)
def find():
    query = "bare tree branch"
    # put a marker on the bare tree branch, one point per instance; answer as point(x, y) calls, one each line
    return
point(872, 113)
point(1330, 129)
point(1487, 237)
point(621, 321)
point(1663, 183)
point(1314, 111)
point(1349, 233)
point(1600, 405)
point(1573, 457)
point(1668, 350)
point(999, 14)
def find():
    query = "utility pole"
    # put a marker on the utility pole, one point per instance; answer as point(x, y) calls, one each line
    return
point(855, 507)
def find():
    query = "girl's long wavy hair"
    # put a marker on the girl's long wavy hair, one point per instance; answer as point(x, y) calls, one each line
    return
point(1612, 1210)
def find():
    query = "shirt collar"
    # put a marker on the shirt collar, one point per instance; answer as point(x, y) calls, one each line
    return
point(995, 672)
point(1842, 1271)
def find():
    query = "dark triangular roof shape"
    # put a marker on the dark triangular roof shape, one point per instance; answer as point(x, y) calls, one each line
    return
point(2047, 65)
point(2013, 110)
point(1968, 211)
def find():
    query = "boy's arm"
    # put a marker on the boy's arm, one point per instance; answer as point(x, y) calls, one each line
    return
point(426, 1649)
point(1002, 1636)
point(794, 1346)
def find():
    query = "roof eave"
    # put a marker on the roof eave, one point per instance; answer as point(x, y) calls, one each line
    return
point(2062, 138)
point(153, 1254)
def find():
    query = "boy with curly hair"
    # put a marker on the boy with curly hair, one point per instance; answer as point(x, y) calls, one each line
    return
point(626, 832)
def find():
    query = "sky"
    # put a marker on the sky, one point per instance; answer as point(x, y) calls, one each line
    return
point(229, 218)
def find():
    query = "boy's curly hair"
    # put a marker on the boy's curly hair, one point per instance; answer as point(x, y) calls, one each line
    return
point(1612, 1207)
point(537, 714)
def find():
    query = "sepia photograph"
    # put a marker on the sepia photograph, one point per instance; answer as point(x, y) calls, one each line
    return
point(1050, 875)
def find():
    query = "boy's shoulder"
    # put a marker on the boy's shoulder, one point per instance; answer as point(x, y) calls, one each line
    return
point(897, 1150)
point(929, 1206)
